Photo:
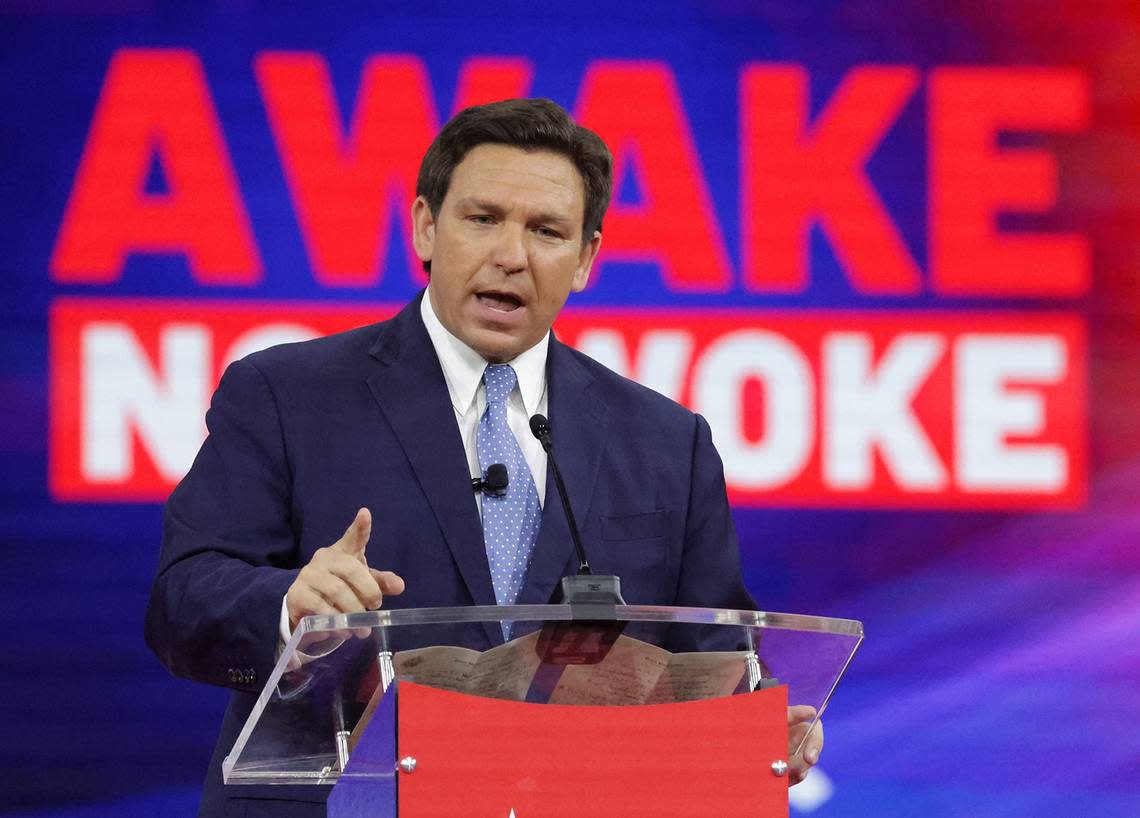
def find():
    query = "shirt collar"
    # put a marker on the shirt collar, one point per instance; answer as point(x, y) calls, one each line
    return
point(463, 367)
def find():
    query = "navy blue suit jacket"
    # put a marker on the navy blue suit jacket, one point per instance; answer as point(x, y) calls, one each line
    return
point(302, 435)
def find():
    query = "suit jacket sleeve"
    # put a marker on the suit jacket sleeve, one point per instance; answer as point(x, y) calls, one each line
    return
point(229, 553)
point(710, 560)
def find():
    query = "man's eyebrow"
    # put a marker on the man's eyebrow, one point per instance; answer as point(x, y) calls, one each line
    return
point(551, 218)
point(544, 217)
point(475, 203)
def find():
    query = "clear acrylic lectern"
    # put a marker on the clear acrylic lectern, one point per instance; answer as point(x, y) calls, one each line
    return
point(333, 674)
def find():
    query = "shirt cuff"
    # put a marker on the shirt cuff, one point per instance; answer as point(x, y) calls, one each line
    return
point(285, 633)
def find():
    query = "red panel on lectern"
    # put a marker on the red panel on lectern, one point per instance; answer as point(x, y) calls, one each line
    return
point(485, 758)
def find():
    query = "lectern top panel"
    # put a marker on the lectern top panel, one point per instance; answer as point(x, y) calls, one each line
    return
point(626, 613)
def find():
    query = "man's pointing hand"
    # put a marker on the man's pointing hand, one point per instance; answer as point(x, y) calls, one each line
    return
point(338, 579)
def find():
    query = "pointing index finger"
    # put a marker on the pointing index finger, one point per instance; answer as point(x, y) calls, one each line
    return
point(356, 536)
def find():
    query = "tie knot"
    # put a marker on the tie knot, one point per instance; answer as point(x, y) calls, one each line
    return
point(500, 380)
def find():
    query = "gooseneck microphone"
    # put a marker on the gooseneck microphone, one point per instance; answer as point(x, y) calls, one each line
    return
point(594, 596)
point(593, 599)
point(495, 483)
point(540, 428)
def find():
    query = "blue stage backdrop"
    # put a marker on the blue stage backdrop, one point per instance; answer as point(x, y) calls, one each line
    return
point(888, 249)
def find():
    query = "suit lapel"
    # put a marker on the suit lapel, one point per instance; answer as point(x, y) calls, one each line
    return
point(413, 396)
point(579, 424)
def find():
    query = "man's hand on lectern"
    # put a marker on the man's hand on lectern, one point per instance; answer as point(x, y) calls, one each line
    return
point(799, 721)
point(338, 579)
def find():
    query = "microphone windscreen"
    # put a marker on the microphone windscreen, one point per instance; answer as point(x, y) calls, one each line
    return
point(497, 478)
point(539, 426)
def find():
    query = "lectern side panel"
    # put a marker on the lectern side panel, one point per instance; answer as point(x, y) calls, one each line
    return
point(811, 664)
point(367, 788)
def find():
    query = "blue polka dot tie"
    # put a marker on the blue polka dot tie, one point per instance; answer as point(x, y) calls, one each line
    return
point(511, 521)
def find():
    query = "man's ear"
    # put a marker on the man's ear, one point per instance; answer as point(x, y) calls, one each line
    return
point(423, 229)
point(586, 257)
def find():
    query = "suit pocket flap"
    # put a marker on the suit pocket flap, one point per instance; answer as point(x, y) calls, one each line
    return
point(646, 526)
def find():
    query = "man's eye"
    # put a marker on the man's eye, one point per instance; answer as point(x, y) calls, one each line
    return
point(481, 218)
point(549, 232)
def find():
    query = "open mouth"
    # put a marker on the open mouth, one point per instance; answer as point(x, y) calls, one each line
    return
point(499, 301)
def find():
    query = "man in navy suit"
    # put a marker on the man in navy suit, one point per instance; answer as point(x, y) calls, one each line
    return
point(381, 423)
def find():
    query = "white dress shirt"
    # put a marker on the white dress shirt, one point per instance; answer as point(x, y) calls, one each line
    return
point(463, 373)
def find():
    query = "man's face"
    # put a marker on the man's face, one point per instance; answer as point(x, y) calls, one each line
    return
point(506, 248)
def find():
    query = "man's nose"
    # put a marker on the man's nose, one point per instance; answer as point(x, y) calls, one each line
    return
point(510, 254)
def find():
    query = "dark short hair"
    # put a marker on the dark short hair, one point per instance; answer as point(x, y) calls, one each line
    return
point(530, 124)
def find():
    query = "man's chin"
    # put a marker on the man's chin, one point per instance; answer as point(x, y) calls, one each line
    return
point(499, 355)
point(497, 347)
